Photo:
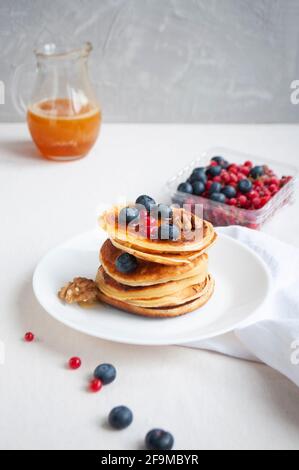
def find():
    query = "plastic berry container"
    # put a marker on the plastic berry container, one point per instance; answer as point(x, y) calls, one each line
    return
point(222, 214)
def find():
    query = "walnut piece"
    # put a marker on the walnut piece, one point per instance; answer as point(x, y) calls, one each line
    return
point(80, 290)
point(182, 219)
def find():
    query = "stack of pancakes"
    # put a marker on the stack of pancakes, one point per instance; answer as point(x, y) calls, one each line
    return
point(171, 277)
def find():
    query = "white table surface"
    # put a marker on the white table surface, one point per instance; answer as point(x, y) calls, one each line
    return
point(207, 400)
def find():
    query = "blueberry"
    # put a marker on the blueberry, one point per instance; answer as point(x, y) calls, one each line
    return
point(257, 172)
point(214, 170)
point(120, 417)
point(198, 188)
point(146, 201)
point(106, 373)
point(229, 192)
point(215, 188)
point(126, 263)
point(128, 214)
point(220, 161)
point(169, 232)
point(245, 186)
point(199, 174)
point(162, 211)
point(157, 439)
point(217, 197)
point(185, 188)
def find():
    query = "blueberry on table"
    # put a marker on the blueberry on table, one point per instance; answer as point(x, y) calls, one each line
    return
point(128, 214)
point(257, 172)
point(169, 232)
point(198, 188)
point(126, 263)
point(215, 188)
point(146, 201)
point(120, 417)
point(229, 192)
point(106, 373)
point(214, 170)
point(218, 197)
point(158, 439)
point(185, 188)
point(245, 186)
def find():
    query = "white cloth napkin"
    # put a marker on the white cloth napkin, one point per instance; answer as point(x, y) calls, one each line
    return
point(271, 334)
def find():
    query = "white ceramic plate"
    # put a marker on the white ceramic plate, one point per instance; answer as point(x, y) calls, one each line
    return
point(242, 285)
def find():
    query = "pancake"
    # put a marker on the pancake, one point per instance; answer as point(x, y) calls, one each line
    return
point(174, 289)
point(149, 273)
point(168, 259)
point(166, 312)
point(196, 234)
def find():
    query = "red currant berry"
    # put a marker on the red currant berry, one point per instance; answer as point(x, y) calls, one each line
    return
point(257, 203)
point(213, 163)
point(265, 200)
point(233, 178)
point(248, 164)
point(232, 202)
point(273, 188)
point(245, 170)
point(241, 177)
point(208, 185)
point(143, 214)
point(233, 169)
point(29, 337)
point(225, 178)
point(252, 195)
point(95, 385)
point(148, 224)
point(242, 201)
point(217, 179)
point(75, 363)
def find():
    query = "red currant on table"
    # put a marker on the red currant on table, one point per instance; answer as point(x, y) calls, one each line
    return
point(75, 363)
point(29, 337)
point(95, 385)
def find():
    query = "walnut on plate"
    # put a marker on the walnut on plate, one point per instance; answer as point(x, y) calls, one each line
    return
point(80, 290)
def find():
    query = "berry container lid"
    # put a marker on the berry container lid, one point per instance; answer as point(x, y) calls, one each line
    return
point(221, 214)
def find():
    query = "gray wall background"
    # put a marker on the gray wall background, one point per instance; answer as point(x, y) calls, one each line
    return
point(168, 60)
